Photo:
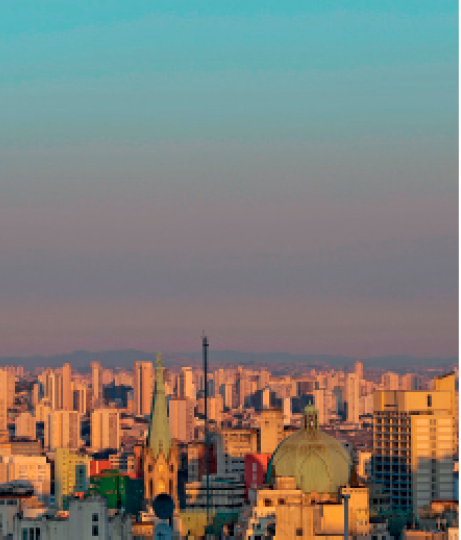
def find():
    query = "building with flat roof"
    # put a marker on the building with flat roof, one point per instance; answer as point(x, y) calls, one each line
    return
point(413, 445)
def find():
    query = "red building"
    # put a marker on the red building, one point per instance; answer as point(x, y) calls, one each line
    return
point(97, 466)
point(255, 470)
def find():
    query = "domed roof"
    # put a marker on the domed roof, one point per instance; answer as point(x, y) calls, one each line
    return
point(317, 461)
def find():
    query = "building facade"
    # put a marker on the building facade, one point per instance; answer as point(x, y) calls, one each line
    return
point(413, 446)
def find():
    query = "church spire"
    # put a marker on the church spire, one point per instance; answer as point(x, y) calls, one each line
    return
point(159, 439)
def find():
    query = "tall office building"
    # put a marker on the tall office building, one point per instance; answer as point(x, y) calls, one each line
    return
point(96, 384)
point(62, 430)
point(105, 429)
point(143, 388)
point(352, 398)
point(181, 419)
point(413, 445)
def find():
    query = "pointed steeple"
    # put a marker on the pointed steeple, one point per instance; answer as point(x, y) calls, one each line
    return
point(159, 438)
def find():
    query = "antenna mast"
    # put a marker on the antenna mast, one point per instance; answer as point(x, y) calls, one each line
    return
point(207, 444)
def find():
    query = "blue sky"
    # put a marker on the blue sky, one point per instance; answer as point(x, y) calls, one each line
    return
point(311, 146)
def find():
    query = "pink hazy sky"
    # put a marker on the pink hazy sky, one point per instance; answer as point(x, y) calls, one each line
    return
point(311, 274)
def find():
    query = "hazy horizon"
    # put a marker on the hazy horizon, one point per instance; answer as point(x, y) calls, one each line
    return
point(283, 176)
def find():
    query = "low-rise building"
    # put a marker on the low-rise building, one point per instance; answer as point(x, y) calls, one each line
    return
point(86, 519)
point(32, 470)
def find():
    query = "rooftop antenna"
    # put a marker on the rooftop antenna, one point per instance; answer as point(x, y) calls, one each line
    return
point(207, 449)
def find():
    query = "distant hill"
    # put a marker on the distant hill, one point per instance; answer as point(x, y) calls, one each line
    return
point(81, 360)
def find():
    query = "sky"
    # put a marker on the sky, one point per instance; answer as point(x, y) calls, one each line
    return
point(283, 175)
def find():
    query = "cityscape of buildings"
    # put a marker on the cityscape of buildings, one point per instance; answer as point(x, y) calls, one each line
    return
point(325, 453)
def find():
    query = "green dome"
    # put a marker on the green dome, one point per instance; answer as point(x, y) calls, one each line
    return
point(317, 461)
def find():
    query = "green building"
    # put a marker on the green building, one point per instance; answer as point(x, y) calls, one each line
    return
point(119, 489)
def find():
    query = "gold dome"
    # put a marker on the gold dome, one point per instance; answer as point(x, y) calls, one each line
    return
point(317, 461)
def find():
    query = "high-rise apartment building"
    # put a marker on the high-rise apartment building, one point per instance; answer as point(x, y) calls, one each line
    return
point(321, 404)
point(226, 391)
point(410, 381)
point(26, 425)
point(186, 384)
point(352, 397)
point(413, 445)
point(143, 388)
point(390, 381)
point(286, 407)
point(4, 375)
point(71, 475)
point(49, 379)
point(31, 469)
point(96, 384)
point(65, 394)
point(62, 430)
point(263, 379)
point(358, 370)
point(181, 419)
point(271, 432)
point(232, 446)
point(105, 429)
point(80, 392)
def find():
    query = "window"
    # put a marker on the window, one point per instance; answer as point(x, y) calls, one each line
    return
point(95, 530)
point(95, 518)
point(24, 534)
point(429, 400)
point(281, 502)
point(37, 533)
point(267, 502)
point(299, 532)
